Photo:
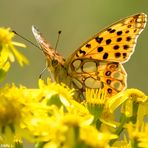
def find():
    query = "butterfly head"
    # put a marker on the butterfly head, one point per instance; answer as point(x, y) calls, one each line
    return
point(53, 57)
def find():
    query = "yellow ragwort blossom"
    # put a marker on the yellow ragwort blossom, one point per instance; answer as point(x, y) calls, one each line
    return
point(25, 113)
point(135, 95)
point(62, 120)
point(138, 134)
point(12, 111)
point(93, 138)
point(134, 98)
point(62, 90)
point(95, 101)
point(8, 52)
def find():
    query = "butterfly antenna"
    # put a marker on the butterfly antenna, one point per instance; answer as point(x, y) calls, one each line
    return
point(59, 32)
point(25, 39)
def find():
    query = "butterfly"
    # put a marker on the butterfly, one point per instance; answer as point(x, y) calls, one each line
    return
point(97, 63)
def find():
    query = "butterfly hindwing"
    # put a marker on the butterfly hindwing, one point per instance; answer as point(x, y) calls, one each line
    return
point(87, 73)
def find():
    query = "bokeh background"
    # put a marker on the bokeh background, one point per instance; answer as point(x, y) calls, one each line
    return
point(78, 20)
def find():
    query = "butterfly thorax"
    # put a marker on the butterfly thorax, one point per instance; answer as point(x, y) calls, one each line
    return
point(60, 74)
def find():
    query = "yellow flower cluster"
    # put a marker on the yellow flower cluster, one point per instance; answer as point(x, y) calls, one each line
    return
point(50, 117)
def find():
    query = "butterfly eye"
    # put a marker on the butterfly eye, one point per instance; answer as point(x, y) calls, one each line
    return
point(54, 63)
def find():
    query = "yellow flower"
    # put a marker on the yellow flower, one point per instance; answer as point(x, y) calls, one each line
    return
point(45, 124)
point(12, 105)
point(8, 50)
point(133, 95)
point(134, 98)
point(23, 114)
point(95, 101)
point(50, 117)
point(131, 101)
point(138, 134)
point(115, 101)
point(122, 142)
point(53, 89)
point(93, 138)
point(59, 127)
point(136, 95)
point(61, 120)
point(95, 96)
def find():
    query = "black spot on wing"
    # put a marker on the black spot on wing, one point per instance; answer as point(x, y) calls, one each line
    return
point(110, 30)
point(124, 55)
point(129, 26)
point(109, 90)
point(88, 45)
point(119, 33)
point(99, 39)
point(105, 56)
point(116, 47)
point(127, 31)
point(108, 73)
point(82, 52)
point(108, 81)
point(119, 39)
point(108, 41)
point(100, 49)
point(125, 47)
point(117, 54)
point(128, 38)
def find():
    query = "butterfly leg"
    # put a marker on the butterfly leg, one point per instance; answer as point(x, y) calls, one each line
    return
point(51, 76)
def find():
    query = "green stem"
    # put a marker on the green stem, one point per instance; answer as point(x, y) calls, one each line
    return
point(133, 119)
point(134, 143)
point(98, 124)
point(18, 145)
point(120, 128)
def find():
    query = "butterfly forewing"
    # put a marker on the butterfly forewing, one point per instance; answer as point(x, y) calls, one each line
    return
point(115, 43)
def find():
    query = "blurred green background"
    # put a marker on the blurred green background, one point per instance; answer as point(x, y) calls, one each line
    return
point(78, 20)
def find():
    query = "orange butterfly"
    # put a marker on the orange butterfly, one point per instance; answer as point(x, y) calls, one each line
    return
point(98, 62)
